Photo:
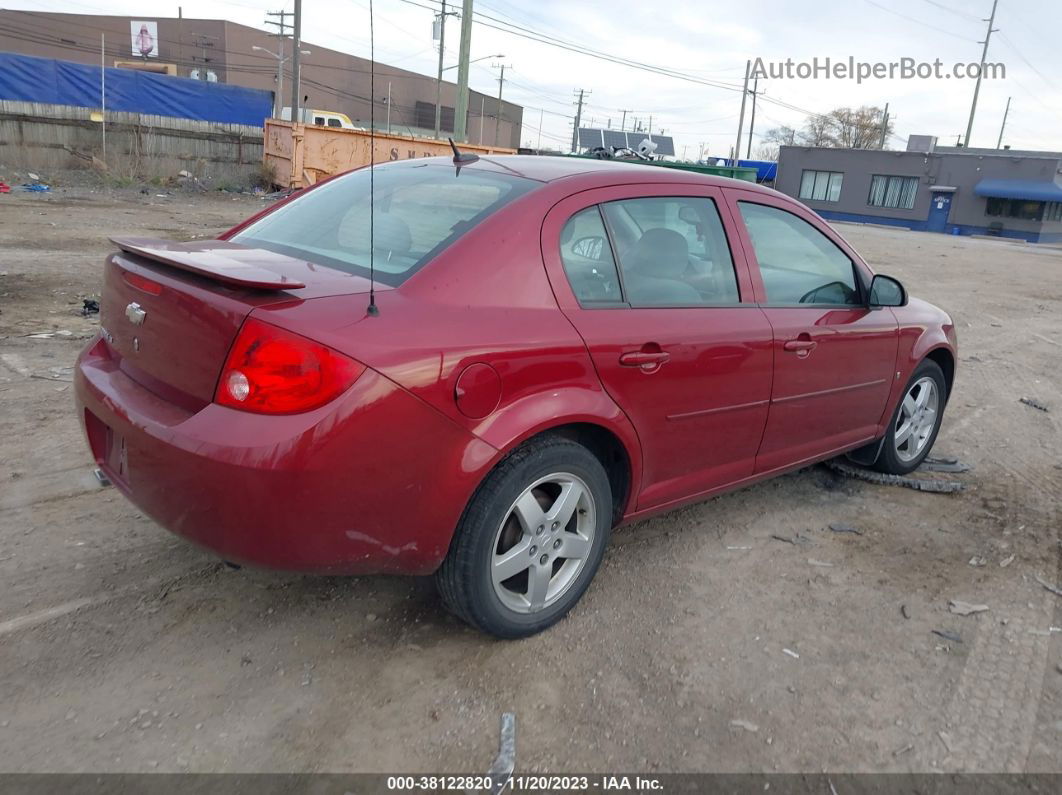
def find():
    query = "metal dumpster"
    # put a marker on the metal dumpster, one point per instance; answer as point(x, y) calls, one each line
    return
point(302, 154)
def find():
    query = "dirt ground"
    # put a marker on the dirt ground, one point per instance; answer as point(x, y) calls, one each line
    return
point(123, 648)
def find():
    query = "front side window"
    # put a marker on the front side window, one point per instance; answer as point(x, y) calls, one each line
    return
point(672, 251)
point(893, 192)
point(798, 263)
point(823, 186)
point(335, 123)
point(1019, 208)
point(587, 259)
point(419, 210)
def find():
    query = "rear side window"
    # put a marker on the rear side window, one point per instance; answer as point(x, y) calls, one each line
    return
point(335, 123)
point(798, 263)
point(587, 259)
point(672, 251)
point(419, 210)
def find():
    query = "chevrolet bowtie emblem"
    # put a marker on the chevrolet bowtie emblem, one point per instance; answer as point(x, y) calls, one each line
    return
point(135, 314)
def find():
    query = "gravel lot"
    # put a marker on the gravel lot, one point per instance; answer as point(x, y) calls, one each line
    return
point(123, 648)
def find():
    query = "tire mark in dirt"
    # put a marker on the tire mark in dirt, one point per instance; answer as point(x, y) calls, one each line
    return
point(160, 586)
point(993, 714)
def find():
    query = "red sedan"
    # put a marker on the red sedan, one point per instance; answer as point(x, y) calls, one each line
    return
point(553, 347)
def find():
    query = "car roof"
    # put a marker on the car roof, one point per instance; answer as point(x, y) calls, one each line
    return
point(543, 168)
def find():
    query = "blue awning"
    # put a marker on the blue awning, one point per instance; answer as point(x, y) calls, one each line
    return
point(1029, 189)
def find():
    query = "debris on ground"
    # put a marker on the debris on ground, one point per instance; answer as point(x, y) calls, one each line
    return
point(954, 637)
point(501, 769)
point(4, 187)
point(944, 465)
point(796, 539)
point(845, 528)
point(1052, 588)
point(933, 486)
point(823, 563)
point(904, 611)
point(977, 561)
point(902, 751)
point(1006, 561)
point(1036, 404)
point(791, 653)
point(89, 306)
point(746, 725)
point(961, 608)
point(946, 739)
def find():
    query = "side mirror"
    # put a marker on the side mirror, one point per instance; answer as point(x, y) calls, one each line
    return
point(887, 291)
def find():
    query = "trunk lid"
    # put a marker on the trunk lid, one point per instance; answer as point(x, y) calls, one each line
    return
point(170, 311)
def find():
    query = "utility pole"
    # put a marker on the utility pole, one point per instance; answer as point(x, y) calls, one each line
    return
point(1003, 126)
point(296, 45)
point(281, 34)
point(103, 96)
point(741, 117)
point(752, 120)
point(540, 114)
point(438, 83)
point(977, 85)
point(650, 125)
point(578, 116)
point(623, 123)
point(497, 118)
point(884, 126)
point(461, 106)
point(388, 107)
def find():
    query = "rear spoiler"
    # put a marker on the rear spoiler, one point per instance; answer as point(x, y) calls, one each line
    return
point(220, 260)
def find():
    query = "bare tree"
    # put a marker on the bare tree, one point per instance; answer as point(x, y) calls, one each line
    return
point(818, 131)
point(845, 128)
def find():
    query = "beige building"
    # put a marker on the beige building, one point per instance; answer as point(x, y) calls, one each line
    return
point(218, 49)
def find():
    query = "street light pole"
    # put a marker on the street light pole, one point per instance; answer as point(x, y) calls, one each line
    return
point(461, 106)
point(438, 81)
point(278, 97)
point(497, 117)
point(295, 75)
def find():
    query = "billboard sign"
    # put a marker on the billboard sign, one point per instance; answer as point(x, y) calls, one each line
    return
point(145, 38)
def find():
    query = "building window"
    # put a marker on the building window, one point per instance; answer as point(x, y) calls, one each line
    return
point(1053, 211)
point(1021, 208)
point(898, 192)
point(822, 186)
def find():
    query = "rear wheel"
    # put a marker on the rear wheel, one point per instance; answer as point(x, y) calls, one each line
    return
point(916, 421)
point(530, 541)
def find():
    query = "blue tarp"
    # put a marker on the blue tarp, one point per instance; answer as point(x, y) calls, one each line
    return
point(1029, 189)
point(29, 79)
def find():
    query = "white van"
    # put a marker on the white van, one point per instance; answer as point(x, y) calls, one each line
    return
point(322, 118)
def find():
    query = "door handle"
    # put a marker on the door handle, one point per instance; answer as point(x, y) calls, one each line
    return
point(801, 346)
point(647, 360)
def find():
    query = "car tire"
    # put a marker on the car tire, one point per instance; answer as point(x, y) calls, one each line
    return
point(516, 565)
point(915, 423)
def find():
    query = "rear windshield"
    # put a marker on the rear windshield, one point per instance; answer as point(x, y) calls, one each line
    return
point(419, 210)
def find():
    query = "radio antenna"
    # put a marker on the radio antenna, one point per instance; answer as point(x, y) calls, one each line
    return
point(372, 310)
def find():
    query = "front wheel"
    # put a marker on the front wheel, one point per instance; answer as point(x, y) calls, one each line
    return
point(530, 541)
point(916, 421)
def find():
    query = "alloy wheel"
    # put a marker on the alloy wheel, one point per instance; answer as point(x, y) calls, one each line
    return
point(543, 543)
point(916, 420)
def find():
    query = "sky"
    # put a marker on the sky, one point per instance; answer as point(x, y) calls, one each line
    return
point(709, 42)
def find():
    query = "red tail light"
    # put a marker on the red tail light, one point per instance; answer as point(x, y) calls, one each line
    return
point(273, 371)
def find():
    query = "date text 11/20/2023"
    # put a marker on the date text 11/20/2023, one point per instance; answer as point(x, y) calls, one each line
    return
point(525, 783)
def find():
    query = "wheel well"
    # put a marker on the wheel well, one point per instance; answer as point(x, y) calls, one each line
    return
point(946, 362)
point(610, 451)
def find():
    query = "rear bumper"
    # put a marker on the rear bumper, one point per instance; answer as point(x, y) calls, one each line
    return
point(373, 482)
